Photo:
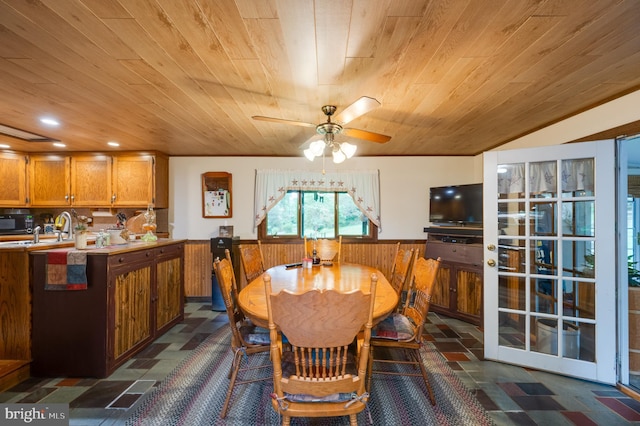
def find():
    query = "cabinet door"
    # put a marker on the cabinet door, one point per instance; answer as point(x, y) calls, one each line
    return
point(133, 180)
point(132, 309)
point(49, 180)
point(169, 291)
point(13, 175)
point(441, 295)
point(469, 291)
point(91, 180)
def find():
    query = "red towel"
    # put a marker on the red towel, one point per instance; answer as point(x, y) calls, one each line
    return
point(66, 270)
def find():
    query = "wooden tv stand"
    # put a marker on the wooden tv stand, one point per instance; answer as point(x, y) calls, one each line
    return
point(458, 289)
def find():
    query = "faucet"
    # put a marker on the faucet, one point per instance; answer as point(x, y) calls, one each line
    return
point(68, 225)
point(36, 234)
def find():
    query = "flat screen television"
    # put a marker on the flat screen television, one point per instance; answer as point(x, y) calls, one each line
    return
point(456, 205)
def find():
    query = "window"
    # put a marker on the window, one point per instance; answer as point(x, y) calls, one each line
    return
point(316, 214)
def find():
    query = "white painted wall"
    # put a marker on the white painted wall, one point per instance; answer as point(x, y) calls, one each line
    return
point(404, 190)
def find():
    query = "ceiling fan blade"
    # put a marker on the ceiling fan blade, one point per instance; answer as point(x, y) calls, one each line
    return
point(356, 109)
point(283, 121)
point(368, 136)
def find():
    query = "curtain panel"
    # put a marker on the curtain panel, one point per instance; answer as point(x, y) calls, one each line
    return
point(363, 186)
point(577, 175)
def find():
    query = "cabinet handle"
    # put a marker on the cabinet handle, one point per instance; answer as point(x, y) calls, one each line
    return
point(491, 247)
point(73, 198)
point(121, 259)
point(113, 198)
point(147, 254)
point(491, 262)
point(66, 197)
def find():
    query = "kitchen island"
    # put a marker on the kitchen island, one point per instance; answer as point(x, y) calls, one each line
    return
point(134, 293)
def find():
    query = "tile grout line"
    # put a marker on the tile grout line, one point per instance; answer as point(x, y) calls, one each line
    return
point(124, 392)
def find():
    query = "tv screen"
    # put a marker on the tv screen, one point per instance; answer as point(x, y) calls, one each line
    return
point(456, 205)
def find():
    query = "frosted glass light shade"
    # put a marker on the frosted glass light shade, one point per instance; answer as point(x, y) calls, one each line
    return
point(348, 149)
point(338, 156)
point(317, 148)
point(309, 154)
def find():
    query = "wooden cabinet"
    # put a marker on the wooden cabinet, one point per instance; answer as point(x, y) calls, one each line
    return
point(49, 183)
point(60, 181)
point(139, 180)
point(458, 288)
point(90, 178)
point(97, 180)
point(13, 175)
point(134, 295)
point(15, 318)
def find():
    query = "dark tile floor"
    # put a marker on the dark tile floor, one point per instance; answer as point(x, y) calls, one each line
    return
point(512, 395)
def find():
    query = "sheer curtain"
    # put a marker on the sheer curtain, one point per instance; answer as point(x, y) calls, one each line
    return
point(362, 186)
point(577, 175)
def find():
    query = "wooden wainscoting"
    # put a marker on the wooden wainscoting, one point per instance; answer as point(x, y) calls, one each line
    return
point(198, 259)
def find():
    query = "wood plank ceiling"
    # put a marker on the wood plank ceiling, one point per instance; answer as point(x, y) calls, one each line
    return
point(455, 77)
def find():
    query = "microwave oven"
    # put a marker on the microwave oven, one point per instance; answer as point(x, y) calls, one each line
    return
point(16, 224)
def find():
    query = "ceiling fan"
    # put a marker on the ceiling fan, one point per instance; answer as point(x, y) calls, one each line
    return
point(330, 129)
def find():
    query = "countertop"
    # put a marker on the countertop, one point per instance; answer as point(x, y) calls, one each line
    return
point(51, 244)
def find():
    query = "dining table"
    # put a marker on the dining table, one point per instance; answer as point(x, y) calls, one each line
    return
point(342, 277)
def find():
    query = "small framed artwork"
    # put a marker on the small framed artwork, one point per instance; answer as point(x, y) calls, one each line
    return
point(216, 194)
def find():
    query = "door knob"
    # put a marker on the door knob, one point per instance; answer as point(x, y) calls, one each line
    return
point(491, 262)
point(491, 247)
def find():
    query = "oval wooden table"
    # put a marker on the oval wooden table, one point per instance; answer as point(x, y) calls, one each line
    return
point(343, 277)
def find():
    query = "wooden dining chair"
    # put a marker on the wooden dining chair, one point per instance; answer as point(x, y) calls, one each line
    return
point(252, 260)
point(401, 272)
point(327, 250)
point(247, 340)
point(320, 375)
point(401, 333)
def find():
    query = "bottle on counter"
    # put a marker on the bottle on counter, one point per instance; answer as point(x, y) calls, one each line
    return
point(100, 239)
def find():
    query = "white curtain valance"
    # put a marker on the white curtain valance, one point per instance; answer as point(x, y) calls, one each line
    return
point(362, 186)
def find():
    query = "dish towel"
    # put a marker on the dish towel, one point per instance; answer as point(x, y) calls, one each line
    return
point(66, 270)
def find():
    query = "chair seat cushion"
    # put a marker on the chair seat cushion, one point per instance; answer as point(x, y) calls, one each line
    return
point(394, 327)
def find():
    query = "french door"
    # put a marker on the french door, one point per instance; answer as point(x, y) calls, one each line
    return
point(549, 236)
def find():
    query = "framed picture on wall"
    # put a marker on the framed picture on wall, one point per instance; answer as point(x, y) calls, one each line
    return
point(216, 195)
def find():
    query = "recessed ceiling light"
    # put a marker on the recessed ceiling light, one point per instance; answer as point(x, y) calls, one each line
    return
point(49, 121)
point(4, 145)
point(112, 143)
point(59, 144)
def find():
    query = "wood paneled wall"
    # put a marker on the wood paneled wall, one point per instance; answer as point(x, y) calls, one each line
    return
point(198, 259)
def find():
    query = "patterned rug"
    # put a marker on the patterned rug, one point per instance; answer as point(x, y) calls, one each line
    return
point(194, 392)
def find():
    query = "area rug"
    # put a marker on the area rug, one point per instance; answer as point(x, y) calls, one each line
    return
point(194, 392)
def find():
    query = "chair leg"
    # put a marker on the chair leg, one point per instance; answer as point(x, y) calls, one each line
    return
point(286, 420)
point(235, 367)
point(370, 368)
point(353, 420)
point(418, 358)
